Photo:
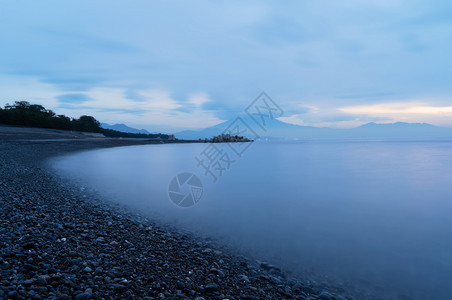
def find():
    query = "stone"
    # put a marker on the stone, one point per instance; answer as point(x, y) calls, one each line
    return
point(211, 287)
point(325, 296)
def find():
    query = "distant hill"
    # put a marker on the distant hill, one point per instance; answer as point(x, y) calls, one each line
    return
point(280, 130)
point(274, 130)
point(401, 130)
point(123, 128)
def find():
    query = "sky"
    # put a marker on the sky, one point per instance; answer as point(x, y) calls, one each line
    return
point(172, 65)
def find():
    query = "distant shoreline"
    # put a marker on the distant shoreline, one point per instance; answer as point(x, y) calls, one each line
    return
point(38, 134)
point(24, 133)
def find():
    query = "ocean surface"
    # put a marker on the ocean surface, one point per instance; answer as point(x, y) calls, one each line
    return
point(366, 215)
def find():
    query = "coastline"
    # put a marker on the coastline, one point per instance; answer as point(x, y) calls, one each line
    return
point(59, 243)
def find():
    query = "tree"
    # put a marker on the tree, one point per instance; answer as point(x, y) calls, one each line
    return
point(87, 123)
point(25, 106)
point(35, 115)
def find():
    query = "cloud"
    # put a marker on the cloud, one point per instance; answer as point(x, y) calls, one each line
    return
point(194, 102)
point(133, 95)
point(399, 109)
point(414, 111)
point(156, 109)
point(337, 120)
point(73, 98)
point(376, 95)
point(328, 116)
point(199, 99)
point(69, 80)
point(80, 40)
point(293, 119)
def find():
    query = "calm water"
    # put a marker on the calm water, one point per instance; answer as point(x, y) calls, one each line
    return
point(373, 214)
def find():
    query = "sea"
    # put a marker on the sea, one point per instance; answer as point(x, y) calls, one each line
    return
point(373, 216)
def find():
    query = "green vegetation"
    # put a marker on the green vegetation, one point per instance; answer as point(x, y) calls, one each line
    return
point(34, 115)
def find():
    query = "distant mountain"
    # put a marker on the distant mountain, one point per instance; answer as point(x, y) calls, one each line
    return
point(274, 129)
point(401, 130)
point(280, 130)
point(397, 125)
point(123, 128)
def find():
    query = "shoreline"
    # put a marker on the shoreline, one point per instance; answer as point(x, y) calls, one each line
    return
point(59, 243)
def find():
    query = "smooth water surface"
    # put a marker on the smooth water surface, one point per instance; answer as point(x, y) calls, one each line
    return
point(375, 215)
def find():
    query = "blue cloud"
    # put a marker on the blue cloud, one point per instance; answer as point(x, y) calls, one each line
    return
point(375, 95)
point(101, 109)
point(347, 117)
point(73, 98)
point(280, 29)
point(133, 95)
point(85, 40)
point(438, 14)
point(72, 83)
point(128, 111)
point(184, 109)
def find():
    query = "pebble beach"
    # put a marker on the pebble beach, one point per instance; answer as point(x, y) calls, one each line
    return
point(58, 243)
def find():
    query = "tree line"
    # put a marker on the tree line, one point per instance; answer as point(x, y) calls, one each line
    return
point(34, 115)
